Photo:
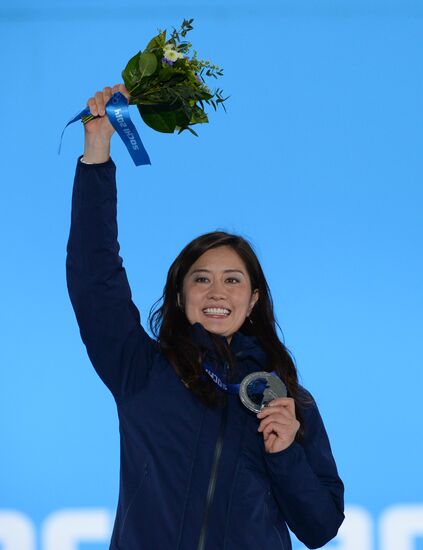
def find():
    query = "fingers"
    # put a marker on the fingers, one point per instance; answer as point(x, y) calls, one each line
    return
point(291, 424)
point(97, 103)
point(279, 418)
point(281, 415)
point(287, 402)
point(91, 103)
point(281, 430)
point(121, 88)
point(283, 405)
point(270, 432)
point(101, 107)
point(270, 440)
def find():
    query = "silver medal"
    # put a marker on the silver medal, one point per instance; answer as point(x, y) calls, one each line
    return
point(259, 388)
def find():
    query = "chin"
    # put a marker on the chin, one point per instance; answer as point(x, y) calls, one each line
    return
point(220, 331)
point(210, 327)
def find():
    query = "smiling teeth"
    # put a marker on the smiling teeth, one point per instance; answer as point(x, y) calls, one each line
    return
point(217, 311)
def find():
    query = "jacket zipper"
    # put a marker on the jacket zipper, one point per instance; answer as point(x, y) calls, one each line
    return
point(212, 480)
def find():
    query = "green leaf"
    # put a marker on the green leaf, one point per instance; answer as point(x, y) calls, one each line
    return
point(147, 64)
point(198, 116)
point(161, 119)
point(190, 130)
point(165, 74)
point(157, 42)
point(131, 73)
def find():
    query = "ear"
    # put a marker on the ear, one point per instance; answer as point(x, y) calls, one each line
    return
point(179, 301)
point(253, 300)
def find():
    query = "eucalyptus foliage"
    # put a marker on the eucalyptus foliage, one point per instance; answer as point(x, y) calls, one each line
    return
point(167, 83)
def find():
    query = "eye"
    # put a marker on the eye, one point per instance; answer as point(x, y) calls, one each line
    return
point(201, 279)
point(232, 280)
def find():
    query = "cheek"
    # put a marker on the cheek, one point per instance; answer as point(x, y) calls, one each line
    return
point(191, 301)
point(190, 295)
point(243, 300)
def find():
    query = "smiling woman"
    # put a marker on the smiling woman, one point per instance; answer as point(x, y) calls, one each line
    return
point(198, 469)
point(217, 292)
point(217, 283)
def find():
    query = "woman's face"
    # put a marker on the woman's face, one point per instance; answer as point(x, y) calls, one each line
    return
point(217, 292)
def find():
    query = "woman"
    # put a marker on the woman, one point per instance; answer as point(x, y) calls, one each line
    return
point(199, 471)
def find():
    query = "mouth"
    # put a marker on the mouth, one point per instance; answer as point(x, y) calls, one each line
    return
point(217, 312)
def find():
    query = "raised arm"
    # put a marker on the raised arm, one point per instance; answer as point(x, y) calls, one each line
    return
point(117, 345)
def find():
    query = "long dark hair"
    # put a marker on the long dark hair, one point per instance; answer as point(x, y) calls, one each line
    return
point(174, 334)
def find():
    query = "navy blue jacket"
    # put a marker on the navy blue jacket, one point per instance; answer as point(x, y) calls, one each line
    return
point(192, 477)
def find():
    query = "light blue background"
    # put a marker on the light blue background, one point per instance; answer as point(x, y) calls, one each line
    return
point(318, 161)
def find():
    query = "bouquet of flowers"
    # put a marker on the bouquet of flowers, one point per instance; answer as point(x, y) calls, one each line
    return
point(168, 87)
point(167, 84)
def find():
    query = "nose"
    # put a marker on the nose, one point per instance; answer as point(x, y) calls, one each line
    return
point(216, 291)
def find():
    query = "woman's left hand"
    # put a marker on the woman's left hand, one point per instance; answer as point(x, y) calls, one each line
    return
point(278, 424)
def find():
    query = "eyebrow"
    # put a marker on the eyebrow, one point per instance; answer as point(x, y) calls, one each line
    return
point(224, 271)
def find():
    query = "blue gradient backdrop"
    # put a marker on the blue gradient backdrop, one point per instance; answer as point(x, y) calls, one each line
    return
point(318, 161)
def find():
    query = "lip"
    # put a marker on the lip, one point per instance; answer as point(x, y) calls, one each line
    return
point(217, 312)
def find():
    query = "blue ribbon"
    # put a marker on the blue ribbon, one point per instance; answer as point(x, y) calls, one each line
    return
point(118, 114)
point(233, 389)
point(228, 388)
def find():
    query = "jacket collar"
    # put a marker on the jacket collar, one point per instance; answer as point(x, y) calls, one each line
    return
point(244, 347)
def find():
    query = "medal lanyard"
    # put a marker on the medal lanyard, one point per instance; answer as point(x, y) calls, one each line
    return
point(232, 389)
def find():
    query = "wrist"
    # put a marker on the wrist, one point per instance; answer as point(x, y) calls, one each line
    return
point(96, 148)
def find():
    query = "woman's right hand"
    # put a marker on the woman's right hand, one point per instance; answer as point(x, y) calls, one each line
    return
point(99, 131)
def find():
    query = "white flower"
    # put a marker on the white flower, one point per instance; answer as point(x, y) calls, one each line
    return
point(170, 53)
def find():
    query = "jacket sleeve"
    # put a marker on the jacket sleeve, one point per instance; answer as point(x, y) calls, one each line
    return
point(118, 347)
point(306, 484)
